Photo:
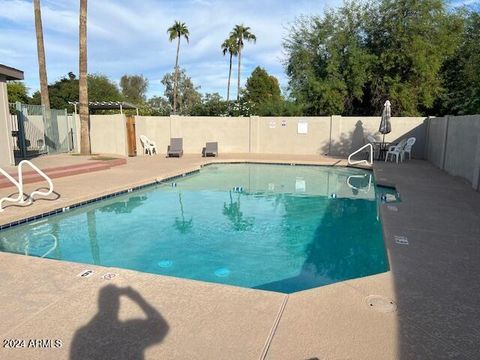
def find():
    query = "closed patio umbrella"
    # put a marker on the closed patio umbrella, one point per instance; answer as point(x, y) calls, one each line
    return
point(385, 125)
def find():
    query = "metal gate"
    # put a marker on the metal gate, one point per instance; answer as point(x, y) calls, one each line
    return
point(36, 131)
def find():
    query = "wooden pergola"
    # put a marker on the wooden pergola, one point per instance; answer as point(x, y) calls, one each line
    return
point(107, 105)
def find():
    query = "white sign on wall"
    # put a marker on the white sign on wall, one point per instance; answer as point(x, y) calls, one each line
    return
point(272, 124)
point(302, 127)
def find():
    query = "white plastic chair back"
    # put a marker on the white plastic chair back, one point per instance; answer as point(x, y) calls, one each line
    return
point(401, 145)
point(410, 142)
point(371, 139)
point(144, 140)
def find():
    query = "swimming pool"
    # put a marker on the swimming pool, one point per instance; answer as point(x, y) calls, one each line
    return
point(273, 227)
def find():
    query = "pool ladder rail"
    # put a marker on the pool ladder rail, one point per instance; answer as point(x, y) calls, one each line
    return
point(368, 162)
point(20, 199)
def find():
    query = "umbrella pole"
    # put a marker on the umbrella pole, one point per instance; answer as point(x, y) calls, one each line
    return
point(383, 146)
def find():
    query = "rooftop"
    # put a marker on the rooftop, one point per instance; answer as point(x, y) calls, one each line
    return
point(11, 73)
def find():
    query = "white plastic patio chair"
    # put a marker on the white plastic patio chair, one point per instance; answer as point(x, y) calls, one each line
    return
point(149, 146)
point(396, 150)
point(408, 148)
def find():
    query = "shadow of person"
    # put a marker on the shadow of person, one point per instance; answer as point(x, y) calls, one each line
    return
point(358, 137)
point(106, 337)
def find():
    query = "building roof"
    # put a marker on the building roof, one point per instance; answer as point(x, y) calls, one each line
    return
point(11, 73)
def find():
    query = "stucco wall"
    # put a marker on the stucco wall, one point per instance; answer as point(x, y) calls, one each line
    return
point(6, 151)
point(156, 128)
point(336, 135)
point(454, 146)
point(279, 135)
point(437, 130)
point(349, 133)
point(108, 134)
point(232, 134)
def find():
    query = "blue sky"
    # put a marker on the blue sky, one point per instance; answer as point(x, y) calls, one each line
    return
point(129, 37)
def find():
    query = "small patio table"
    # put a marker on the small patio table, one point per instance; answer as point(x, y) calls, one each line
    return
point(382, 149)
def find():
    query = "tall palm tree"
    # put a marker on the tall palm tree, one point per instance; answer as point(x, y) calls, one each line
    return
point(176, 31)
point(83, 86)
point(42, 67)
point(229, 46)
point(241, 34)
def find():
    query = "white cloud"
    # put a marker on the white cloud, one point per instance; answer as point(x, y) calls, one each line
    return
point(126, 37)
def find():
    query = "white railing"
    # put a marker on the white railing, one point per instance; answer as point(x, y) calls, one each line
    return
point(18, 185)
point(54, 246)
point(351, 186)
point(20, 199)
point(368, 162)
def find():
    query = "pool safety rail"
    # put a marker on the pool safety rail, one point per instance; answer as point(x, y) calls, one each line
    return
point(368, 162)
point(351, 186)
point(22, 198)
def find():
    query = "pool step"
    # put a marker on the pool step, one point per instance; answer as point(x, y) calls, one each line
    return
point(63, 171)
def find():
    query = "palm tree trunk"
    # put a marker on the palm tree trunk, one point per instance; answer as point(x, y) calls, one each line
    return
point(42, 67)
point(238, 77)
point(175, 81)
point(83, 86)
point(42, 72)
point(229, 77)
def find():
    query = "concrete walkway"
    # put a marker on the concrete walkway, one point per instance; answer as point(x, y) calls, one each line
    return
point(426, 307)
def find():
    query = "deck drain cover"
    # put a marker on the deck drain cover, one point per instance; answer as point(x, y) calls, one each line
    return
point(380, 303)
point(109, 276)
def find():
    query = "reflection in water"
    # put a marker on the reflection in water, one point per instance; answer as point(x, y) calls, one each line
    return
point(126, 206)
point(233, 213)
point(358, 183)
point(56, 234)
point(182, 225)
point(92, 236)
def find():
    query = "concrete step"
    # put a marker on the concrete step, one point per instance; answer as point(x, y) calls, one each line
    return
point(63, 171)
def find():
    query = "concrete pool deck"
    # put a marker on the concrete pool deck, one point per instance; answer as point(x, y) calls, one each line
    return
point(432, 283)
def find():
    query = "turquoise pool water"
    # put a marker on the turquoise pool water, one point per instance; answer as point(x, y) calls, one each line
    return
point(274, 227)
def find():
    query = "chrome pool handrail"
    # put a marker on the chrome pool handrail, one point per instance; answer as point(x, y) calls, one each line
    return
point(350, 162)
point(19, 185)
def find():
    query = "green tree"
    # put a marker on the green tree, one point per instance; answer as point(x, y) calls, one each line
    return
point(352, 59)
point(177, 31)
point(188, 95)
point(411, 39)
point(462, 71)
point(327, 60)
point(241, 34)
point(66, 90)
point(17, 92)
point(211, 105)
point(262, 88)
point(134, 88)
point(229, 46)
point(160, 106)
